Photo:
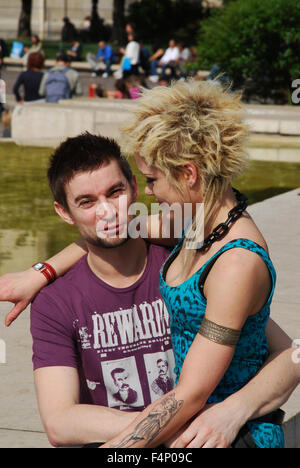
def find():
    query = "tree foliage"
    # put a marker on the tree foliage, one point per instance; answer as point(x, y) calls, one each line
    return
point(158, 21)
point(255, 42)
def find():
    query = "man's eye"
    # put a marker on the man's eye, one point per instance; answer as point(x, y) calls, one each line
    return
point(116, 193)
point(85, 203)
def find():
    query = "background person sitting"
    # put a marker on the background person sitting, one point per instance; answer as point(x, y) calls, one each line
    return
point(75, 51)
point(144, 58)
point(30, 80)
point(169, 59)
point(185, 57)
point(103, 59)
point(35, 47)
point(132, 84)
point(120, 90)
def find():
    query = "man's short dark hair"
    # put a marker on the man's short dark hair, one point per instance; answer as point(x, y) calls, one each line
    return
point(83, 153)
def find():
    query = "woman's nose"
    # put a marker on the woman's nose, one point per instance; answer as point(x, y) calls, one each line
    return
point(148, 190)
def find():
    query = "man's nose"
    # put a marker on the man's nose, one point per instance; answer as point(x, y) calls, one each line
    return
point(105, 210)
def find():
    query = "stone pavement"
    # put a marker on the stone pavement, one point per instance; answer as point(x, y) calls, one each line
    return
point(279, 220)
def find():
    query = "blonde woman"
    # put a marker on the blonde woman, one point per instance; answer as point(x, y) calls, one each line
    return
point(189, 143)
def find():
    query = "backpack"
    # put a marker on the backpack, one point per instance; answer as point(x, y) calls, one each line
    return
point(57, 85)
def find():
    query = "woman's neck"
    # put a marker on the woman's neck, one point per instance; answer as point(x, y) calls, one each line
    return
point(227, 202)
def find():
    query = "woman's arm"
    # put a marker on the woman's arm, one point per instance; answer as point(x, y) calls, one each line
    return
point(231, 298)
point(218, 425)
point(20, 288)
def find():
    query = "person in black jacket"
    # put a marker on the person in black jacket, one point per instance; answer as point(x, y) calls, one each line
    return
point(30, 79)
point(3, 52)
point(68, 32)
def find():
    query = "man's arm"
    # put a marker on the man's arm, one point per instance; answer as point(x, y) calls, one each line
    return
point(68, 423)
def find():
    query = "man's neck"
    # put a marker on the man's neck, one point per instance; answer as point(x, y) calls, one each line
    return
point(119, 266)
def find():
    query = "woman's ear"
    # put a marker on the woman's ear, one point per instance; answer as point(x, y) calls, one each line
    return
point(63, 213)
point(190, 174)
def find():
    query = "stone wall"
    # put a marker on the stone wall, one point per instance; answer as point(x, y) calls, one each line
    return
point(55, 10)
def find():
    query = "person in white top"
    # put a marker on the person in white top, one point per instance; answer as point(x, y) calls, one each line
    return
point(170, 59)
point(131, 52)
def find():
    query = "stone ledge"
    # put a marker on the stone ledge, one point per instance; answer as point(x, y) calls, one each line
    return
point(49, 124)
point(49, 63)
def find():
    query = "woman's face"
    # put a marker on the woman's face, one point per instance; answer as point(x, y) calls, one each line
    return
point(157, 183)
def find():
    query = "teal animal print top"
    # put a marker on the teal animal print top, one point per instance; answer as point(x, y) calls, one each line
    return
point(186, 305)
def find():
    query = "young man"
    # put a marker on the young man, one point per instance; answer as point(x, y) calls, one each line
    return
point(106, 313)
point(102, 329)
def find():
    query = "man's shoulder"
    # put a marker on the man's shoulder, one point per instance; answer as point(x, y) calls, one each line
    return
point(158, 252)
point(62, 290)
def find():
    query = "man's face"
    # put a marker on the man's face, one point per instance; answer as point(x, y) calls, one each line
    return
point(121, 380)
point(98, 204)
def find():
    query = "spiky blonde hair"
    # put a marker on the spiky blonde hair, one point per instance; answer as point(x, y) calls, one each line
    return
point(191, 121)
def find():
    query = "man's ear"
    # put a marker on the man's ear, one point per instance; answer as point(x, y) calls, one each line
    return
point(63, 213)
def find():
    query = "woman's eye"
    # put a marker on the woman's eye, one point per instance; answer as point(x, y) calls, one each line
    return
point(150, 180)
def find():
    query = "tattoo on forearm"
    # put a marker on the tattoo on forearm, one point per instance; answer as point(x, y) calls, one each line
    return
point(158, 418)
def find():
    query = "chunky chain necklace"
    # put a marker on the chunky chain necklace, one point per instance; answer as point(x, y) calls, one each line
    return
point(223, 228)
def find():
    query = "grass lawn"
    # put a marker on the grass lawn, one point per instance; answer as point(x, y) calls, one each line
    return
point(26, 203)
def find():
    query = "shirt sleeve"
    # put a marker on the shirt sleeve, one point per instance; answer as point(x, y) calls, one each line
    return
point(51, 326)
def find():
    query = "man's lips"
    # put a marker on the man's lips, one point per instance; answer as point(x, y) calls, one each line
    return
point(106, 229)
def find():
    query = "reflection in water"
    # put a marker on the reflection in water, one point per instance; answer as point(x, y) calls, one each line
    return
point(30, 230)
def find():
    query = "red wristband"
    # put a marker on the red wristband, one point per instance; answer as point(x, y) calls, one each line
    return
point(47, 270)
point(51, 271)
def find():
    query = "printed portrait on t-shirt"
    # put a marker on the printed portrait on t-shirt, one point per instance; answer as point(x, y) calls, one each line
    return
point(160, 373)
point(122, 383)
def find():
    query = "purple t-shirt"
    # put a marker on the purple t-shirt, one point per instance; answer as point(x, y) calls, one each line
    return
point(118, 339)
